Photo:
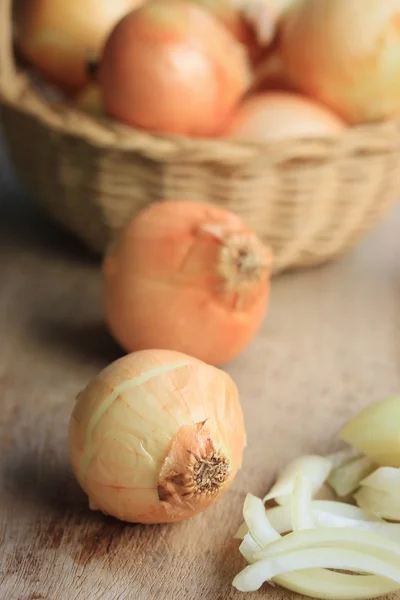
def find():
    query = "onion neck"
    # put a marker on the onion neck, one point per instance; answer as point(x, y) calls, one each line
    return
point(194, 472)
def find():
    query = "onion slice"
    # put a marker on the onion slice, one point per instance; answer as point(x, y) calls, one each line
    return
point(253, 576)
point(313, 467)
point(346, 478)
point(341, 538)
point(326, 513)
point(256, 520)
point(380, 503)
point(386, 479)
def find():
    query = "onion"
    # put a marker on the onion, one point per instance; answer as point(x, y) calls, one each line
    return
point(280, 115)
point(58, 36)
point(346, 479)
point(171, 67)
point(327, 513)
point(90, 100)
point(313, 468)
point(383, 504)
point(189, 277)
point(353, 69)
point(234, 19)
point(252, 577)
point(325, 535)
point(375, 432)
point(156, 437)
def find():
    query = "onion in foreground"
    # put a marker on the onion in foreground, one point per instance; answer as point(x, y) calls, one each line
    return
point(156, 437)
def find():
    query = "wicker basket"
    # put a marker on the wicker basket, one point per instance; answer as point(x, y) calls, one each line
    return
point(309, 199)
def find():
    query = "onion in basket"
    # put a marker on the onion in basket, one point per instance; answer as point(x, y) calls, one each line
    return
point(156, 437)
point(346, 54)
point(172, 67)
point(279, 115)
point(189, 277)
point(57, 36)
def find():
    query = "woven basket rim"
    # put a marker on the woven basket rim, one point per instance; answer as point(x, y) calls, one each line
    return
point(17, 90)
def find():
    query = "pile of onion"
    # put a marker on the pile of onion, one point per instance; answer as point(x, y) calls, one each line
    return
point(188, 277)
point(173, 67)
point(346, 54)
point(156, 437)
point(298, 542)
point(59, 36)
point(272, 116)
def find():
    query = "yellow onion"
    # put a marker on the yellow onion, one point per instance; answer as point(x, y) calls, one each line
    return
point(156, 437)
point(346, 54)
point(59, 36)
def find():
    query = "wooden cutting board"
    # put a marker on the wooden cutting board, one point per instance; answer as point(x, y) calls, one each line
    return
point(330, 345)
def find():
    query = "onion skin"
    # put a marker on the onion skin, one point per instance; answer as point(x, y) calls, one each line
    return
point(271, 116)
point(188, 277)
point(57, 36)
point(172, 67)
point(353, 70)
point(156, 437)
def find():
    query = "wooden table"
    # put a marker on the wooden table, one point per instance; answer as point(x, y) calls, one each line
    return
point(330, 345)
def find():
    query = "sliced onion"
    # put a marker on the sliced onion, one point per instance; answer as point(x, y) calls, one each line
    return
point(315, 468)
point(386, 479)
point(256, 520)
point(378, 502)
point(253, 576)
point(326, 513)
point(248, 548)
point(375, 432)
point(346, 478)
point(341, 538)
point(343, 456)
point(302, 516)
point(327, 585)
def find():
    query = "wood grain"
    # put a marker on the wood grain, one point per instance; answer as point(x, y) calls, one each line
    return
point(330, 345)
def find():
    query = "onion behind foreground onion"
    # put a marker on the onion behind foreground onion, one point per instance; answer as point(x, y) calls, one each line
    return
point(156, 437)
point(346, 54)
point(187, 276)
point(57, 36)
point(172, 67)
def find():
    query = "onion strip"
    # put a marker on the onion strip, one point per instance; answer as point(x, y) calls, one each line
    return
point(253, 576)
point(340, 537)
point(313, 467)
point(256, 520)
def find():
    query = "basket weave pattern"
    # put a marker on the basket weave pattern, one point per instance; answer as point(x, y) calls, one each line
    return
point(310, 200)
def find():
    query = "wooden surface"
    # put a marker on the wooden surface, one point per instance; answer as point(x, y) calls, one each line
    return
point(331, 344)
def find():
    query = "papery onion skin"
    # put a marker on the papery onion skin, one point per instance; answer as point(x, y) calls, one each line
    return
point(275, 116)
point(375, 431)
point(353, 69)
point(172, 67)
point(156, 437)
point(57, 36)
point(189, 277)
